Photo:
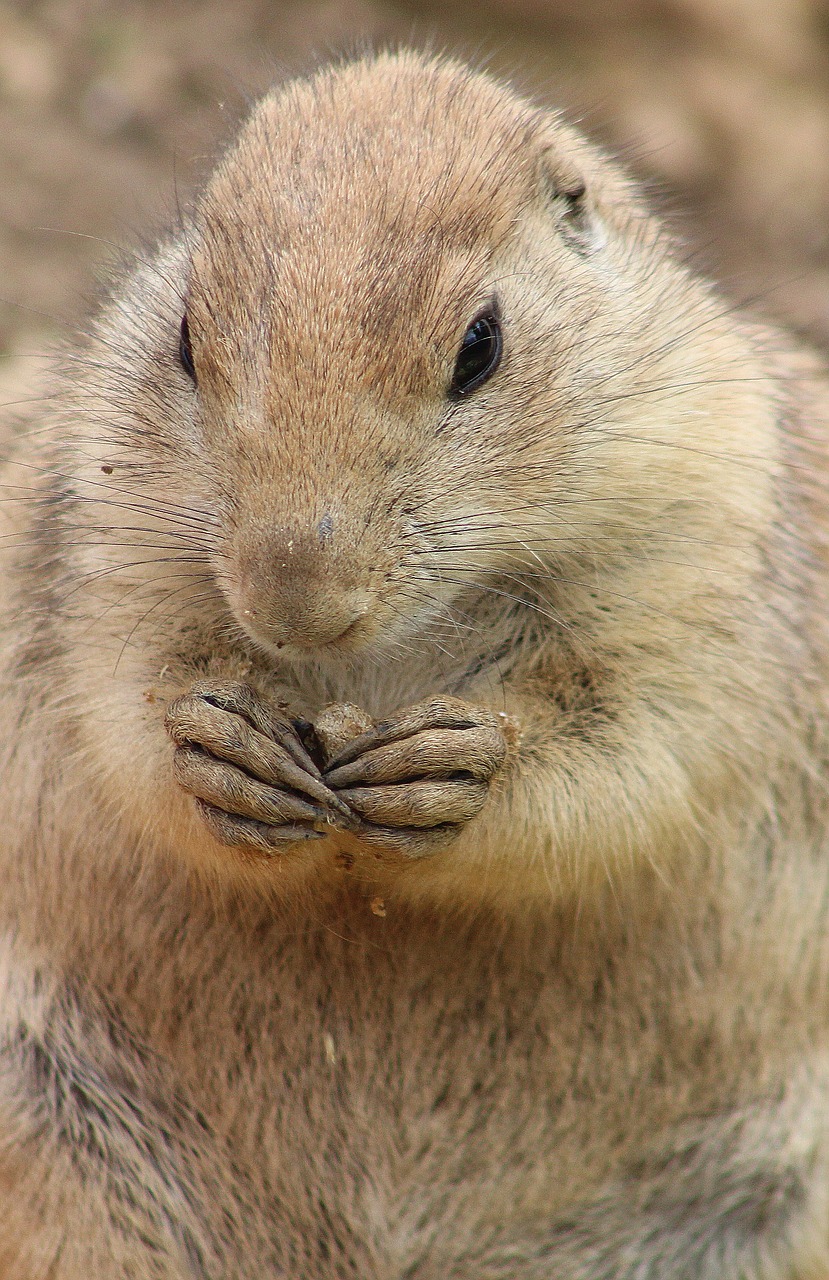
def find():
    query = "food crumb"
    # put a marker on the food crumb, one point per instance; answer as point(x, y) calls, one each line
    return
point(339, 724)
point(378, 906)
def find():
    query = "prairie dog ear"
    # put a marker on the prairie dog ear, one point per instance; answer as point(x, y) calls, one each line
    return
point(564, 190)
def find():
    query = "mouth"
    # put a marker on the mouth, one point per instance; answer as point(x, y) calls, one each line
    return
point(359, 638)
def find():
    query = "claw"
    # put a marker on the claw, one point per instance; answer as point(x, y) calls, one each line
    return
point(440, 713)
point(212, 720)
point(246, 833)
point(243, 701)
point(433, 753)
point(418, 804)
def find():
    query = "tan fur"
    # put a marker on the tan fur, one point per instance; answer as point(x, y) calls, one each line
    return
point(574, 1025)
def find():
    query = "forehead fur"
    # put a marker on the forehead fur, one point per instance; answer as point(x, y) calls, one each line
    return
point(385, 174)
point(397, 133)
point(355, 219)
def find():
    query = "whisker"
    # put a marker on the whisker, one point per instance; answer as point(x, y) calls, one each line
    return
point(138, 587)
point(94, 575)
point(171, 596)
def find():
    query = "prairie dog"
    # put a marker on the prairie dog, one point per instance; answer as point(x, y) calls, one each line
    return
point(415, 732)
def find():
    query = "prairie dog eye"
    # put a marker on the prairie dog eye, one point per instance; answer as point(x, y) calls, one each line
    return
point(479, 355)
point(185, 351)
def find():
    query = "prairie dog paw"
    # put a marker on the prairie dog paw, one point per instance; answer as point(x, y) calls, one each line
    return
point(416, 778)
point(243, 762)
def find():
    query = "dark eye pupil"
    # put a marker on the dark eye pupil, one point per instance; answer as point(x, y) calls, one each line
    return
point(185, 351)
point(478, 357)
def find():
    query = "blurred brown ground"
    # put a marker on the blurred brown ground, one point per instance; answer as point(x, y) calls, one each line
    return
point(109, 114)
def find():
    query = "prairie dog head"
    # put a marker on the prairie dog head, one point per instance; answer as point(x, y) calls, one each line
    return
point(418, 334)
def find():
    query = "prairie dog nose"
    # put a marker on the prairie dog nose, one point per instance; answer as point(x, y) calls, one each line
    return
point(299, 588)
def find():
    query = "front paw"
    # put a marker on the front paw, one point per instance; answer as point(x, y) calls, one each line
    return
point(243, 762)
point(416, 779)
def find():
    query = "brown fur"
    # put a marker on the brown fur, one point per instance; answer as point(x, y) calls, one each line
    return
point(544, 992)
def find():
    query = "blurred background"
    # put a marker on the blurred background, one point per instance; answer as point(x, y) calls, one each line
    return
point(110, 113)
